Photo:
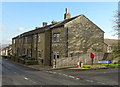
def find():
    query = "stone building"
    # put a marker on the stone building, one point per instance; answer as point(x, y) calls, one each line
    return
point(111, 44)
point(7, 51)
point(66, 38)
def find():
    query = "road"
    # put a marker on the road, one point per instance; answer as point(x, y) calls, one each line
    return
point(15, 74)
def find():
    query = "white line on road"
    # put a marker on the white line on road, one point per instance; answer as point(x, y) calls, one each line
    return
point(65, 75)
point(50, 72)
point(54, 72)
point(77, 78)
point(101, 82)
point(89, 80)
point(25, 78)
point(104, 72)
point(34, 82)
point(72, 77)
point(60, 73)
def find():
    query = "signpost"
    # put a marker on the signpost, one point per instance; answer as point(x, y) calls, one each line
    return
point(104, 61)
point(92, 55)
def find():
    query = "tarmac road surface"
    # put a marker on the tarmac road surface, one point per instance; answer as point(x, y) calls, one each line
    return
point(15, 74)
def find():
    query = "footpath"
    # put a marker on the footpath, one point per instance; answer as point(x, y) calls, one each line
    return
point(49, 68)
point(38, 67)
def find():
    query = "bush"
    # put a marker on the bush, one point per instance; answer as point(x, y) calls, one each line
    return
point(89, 66)
point(5, 57)
point(31, 62)
point(22, 60)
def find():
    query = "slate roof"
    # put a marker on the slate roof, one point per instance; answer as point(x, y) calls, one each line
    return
point(51, 26)
point(42, 29)
point(111, 41)
point(63, 22)
point(38, 30)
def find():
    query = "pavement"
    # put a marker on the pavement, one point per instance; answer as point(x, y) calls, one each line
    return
point(16, 74)
point(38, 67)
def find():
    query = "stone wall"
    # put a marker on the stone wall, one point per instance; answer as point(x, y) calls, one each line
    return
point(61, 45)
point(47, 48)
point(40, 47)
point(84, 57)
point(84, 36)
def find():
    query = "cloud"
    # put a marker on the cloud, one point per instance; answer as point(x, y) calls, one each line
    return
point(112, 37)
point(6, 41)
point(3, 27)
point(21, 29)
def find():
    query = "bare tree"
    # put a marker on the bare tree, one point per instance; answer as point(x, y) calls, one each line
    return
point(117, 24)
point(116, 47)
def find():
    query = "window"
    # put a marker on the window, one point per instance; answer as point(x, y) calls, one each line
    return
point(38, 38)
point(56, 37)
point(13, 41)
point(24, 50)
point(56, 55)
point(110, 48)
point(25, 39)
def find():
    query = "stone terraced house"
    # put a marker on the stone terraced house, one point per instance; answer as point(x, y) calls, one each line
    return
point(66, 38)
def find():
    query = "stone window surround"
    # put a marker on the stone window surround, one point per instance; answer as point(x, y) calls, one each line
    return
point(56, 37)
point(56, 55)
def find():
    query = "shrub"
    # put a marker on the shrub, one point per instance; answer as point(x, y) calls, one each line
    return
point(31, 62)
point(22, 60)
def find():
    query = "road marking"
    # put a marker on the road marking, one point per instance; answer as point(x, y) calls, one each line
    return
point(89, 80)
point(59, 73)
point(65, 75)
point(34, 82)
point(50, 71)
point(25, 78)
point(14, 72)
point(101, 82)
point(72, 77)
point(54, 72)
point(77, 78)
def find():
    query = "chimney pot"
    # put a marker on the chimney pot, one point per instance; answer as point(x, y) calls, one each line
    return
point(66, 10)
point(53, 22)
point(45, 24)
point(66, 15)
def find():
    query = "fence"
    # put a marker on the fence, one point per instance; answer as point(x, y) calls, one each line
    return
point(72, 61)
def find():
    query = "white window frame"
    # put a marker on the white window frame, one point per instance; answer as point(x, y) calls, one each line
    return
point(56, 54)
point(56, 37)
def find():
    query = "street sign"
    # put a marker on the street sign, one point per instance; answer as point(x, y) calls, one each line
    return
point(104, 61)
point(92, 55)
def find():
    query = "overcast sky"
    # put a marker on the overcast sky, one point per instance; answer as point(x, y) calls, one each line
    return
point(19, 17)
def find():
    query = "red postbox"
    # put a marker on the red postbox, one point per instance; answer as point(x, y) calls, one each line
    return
point(92, 55)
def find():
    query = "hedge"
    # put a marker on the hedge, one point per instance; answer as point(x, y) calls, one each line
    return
point(31, 62)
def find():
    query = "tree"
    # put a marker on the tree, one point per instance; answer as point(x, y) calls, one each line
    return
point(116, 47)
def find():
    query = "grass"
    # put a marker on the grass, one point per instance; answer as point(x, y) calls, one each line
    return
point(89, 66)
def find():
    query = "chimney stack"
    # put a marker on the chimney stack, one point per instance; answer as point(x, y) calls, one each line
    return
point(54, 22)
point(66, 15)
point(45, 24)
point(66, 10)
point(37, 27)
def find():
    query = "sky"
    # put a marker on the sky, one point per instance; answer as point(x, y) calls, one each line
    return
point(19, 17)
